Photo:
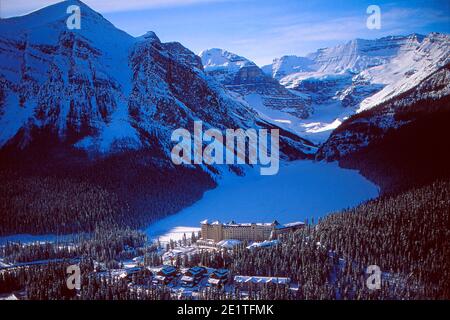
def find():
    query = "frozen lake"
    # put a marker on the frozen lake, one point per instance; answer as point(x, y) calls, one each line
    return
point(300, 190)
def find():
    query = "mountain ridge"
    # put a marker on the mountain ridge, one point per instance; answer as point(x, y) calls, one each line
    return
point(93, 110)
point(357, 75)
point(400, 142)
point(107, 84)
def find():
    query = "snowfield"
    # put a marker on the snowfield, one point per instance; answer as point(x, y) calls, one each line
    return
point(301, 190)
point(316, 128)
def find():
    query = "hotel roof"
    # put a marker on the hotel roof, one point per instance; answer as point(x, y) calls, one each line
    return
point(168, 270)
point(214, 281)
point(187, 279)
point(220, 272)
point(195, 270)
point(255, 279)
point(233, 223)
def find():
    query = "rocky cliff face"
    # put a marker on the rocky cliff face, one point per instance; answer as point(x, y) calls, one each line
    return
point(94, 109)
point(245, 78)
point(400, 143)
point(100, 90)
point(62, 80)
point(360, 54)
point(430, 96)
point(286, 65)
point(358, 75)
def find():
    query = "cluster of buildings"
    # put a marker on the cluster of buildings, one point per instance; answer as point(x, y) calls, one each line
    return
point(258, 234)
point(191, 277)
point(251, 232)
point(216, 278)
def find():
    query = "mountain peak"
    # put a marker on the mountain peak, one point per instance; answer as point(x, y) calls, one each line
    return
point(52, 13)
point(288, 64)
point(216, 58)
point(47, 25)
point(149, 36)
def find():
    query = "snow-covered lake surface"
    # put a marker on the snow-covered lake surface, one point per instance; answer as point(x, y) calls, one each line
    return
point(301, 190)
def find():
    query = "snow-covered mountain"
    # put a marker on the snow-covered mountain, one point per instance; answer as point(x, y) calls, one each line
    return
point(358, 75)
point(224, 65)
point(286, 65)
point(52, 76)
point(252, 85)
point(400, 142)
point(360, 54)
point(353, 56)
point(91, 112)
point(102, 90)
point(415, 61)
point(431, 95)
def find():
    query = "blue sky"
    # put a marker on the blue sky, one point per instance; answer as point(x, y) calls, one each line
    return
point(260, 29)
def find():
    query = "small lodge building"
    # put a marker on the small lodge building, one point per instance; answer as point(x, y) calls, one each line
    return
point(128, 273)
point(218, 278)
point(247, 282)
point(193, 276)
point(165, 275)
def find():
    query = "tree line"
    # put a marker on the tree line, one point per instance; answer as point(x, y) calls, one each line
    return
point(78, 195)
point(406, 235)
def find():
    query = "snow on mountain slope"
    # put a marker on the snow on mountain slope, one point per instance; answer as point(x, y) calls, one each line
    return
point(223, 61)
point(359, 54)
point(431, 95)
point(102, 90)
point(358, 75)
point(353, 57)
point(407, 69)
point(245, 78)
point(286, 65)
point(71, 80)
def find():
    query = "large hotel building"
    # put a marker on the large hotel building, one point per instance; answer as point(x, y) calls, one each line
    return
point(217, 231)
